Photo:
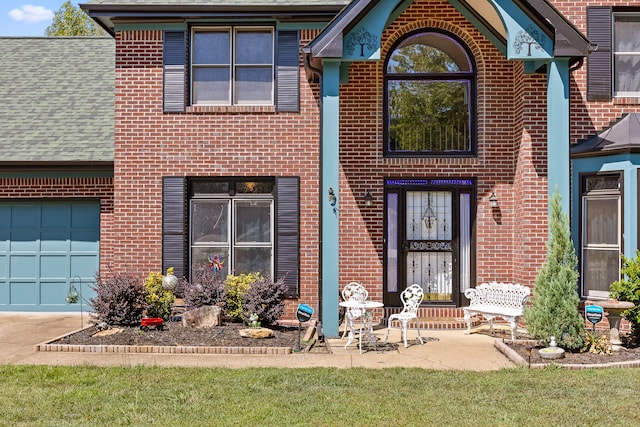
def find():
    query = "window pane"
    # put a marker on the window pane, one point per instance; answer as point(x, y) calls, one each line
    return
point(602, 221)
point(210, 187)
point(601, 268)
point(214, 257)
point(254, 187)
point(627, 77)
point(211, 84)
point(253, 84)
point(429, 53)
point(211, 48)
point(248, 260)
point(626, 33)
point(428, 116)
point(254, 47)
point(209, 221)
point(253, 221)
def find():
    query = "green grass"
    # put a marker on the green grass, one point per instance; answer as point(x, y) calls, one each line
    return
point(144, 396)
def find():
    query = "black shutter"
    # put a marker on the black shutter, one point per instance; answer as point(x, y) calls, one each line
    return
point(174, 60)
point(174, 242)
point(288, 232)
point(599, 68)
point(288, 71)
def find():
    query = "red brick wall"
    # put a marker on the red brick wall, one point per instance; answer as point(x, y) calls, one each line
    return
point(216, 141)
point(69, 188)
point(590, 117)
point(511, 158)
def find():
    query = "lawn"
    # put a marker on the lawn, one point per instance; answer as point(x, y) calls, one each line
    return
point(142, 396)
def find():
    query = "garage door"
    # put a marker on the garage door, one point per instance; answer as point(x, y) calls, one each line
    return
point(45, 248)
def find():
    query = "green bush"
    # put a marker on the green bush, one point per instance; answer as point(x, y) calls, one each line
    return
point(628, 289)
point(236, 288)
point(554, 305)
point(159, 301)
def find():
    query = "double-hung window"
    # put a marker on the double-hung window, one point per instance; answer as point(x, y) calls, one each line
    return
point(232, 66)
point(612, 69)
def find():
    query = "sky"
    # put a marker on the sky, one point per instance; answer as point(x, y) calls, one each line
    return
point(28, 18)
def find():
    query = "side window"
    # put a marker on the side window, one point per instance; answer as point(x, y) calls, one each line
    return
point(231, 66)
point(601, 236)
point(430, 96)
point(612, 69)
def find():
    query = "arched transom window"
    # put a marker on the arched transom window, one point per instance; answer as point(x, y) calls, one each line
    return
point(430, 90)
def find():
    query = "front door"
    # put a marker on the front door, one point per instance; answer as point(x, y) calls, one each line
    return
point(429, 230)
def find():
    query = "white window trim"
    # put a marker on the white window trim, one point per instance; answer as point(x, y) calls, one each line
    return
point(620, 94)
point(232, 31)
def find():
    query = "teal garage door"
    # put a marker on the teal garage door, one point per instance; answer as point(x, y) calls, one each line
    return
point(46, 248)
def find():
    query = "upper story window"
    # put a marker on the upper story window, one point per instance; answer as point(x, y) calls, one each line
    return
point(232, 66)
point(612, 68)
point(626, 54)
point(429, 105)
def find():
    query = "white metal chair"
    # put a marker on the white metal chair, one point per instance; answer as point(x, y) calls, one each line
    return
point(411, 299)
point(353, 291)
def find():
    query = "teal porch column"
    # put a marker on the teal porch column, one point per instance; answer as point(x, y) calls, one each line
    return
point(558, 130)
point(330, 196)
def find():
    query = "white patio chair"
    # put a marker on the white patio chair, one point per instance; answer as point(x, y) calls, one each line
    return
point(411, 299)
point(353, 291)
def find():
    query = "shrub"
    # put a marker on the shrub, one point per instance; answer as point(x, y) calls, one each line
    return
point(266, 299)
point(119, 299)
point(628, 289)
point(236, 287)
point(554, 306)
point(159, 301)
point(206, 288)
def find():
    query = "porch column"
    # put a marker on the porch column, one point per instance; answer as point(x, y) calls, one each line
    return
point(558, 130)
point(330, 196)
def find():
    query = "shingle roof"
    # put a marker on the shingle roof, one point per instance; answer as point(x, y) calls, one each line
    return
point(57, 99)
point(222, 2)
point(621, 136)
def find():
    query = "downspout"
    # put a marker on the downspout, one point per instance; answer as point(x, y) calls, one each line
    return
point(317, 72)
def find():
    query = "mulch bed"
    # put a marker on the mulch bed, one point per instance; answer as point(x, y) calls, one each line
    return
point(632, 353)
point(174, 334)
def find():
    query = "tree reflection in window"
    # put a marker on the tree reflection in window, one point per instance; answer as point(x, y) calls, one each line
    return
point(430, 96)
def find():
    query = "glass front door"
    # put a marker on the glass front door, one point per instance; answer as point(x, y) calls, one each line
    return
point(429, 238)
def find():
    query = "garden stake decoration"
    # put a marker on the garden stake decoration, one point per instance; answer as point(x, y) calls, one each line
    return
point(529, 349)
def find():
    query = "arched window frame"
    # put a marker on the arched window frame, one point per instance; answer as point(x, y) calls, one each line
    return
point(469, 76)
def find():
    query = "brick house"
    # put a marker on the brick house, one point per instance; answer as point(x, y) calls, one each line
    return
point(384, 142)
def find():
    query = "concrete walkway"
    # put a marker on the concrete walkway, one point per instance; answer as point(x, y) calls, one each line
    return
point(443, 350)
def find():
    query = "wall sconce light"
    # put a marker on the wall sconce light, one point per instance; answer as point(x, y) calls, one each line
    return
point(332, 197)
point(368, 199)
point(493, 201)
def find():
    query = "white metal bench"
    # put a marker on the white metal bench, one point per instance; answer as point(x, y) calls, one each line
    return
point(493, 300)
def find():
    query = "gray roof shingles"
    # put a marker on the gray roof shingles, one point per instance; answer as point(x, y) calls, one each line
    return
point(57, 99)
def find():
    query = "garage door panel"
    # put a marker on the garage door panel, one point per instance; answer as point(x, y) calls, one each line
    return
point(23, 266)
point(24, 239)
point(54, 266)
point(53, 292)
point(23, 293)
point(82, 266)
point(56, 216)
point(84, 240)
point(85, 216)
point(25, 216)
point(55, 240)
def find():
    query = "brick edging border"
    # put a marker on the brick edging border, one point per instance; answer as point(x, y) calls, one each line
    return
point(154, 349)
point(519, 360)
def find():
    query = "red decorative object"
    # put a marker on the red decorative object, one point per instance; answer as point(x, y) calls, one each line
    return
point(151, 322)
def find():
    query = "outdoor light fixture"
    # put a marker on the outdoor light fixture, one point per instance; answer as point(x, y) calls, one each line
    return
point(332, 197)
point(368, 199)
point(493, 201)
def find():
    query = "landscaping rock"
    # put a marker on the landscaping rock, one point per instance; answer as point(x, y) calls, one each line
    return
point(256, 333)
point(207, 316)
